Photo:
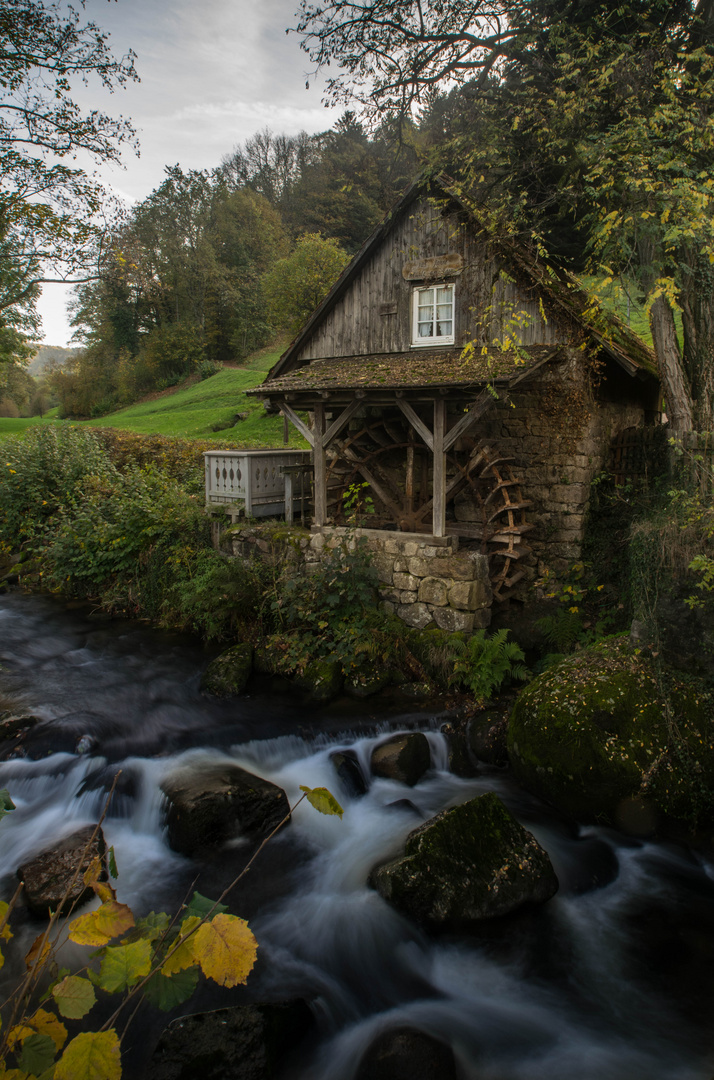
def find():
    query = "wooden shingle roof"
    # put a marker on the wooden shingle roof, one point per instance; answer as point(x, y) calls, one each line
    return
point(446, 368)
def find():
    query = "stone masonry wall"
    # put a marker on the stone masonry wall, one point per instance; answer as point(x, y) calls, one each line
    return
point(555, 456)
point(424, 580)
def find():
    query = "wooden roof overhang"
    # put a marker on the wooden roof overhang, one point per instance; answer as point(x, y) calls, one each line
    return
point(347, 385)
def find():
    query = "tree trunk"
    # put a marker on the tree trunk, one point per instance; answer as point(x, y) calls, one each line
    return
point(677, 391)
point(697, 300)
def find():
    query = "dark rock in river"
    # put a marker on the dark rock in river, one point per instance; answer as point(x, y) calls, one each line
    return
point(210, 803)
point(322, 679)
point(407, 1054)
point(242, 1043)
point(367, 684)
point(403, 757)
point(47, 876)
point(228, 674)
point(13, 726)
point(469, 863)
point(487, 735)
point(349, 772)
point(459, 759)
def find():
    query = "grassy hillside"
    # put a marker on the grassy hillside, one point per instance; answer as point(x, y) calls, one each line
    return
point(11, 425)
point(192, 411)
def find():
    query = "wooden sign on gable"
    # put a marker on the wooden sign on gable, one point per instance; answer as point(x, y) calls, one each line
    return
point(433, 269)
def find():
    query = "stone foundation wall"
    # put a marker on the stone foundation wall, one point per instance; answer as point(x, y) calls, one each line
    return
point(555, 456)
point(424, 580)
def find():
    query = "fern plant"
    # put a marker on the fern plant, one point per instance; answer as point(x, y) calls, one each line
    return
point(483, 664)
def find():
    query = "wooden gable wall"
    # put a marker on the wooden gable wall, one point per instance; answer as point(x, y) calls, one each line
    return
point(374, 314)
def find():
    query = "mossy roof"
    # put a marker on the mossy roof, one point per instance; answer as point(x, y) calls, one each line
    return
point(414, 369)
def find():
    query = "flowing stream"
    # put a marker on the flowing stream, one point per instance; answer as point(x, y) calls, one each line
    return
point(611, 980)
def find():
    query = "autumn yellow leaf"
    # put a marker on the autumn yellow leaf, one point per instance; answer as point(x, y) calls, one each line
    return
point(100, 926)
point(184, 957)
point(39, 951)
point(46, 1023)
point(92, 877)
point(93, 1055)
point(323, 800)
point(6, 932)
point(226, 949)
point(18, 1034)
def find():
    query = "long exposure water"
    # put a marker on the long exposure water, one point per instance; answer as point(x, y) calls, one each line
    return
point(611, 980)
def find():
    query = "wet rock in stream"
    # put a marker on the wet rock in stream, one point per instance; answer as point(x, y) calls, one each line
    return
point(242, 1043)
point(403, 757)
point(469, 863)
point(348, 771)
point(47, 877)
point(228, 674)
point(407, 1054)
point(211, 803)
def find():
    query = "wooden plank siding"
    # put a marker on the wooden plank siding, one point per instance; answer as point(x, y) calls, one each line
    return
point(488, 303)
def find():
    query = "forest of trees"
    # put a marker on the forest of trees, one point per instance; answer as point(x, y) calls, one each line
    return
point(586, 129)
point(212, 265)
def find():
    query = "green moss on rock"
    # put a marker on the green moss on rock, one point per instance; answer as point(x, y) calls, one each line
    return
point(606, 730)
point(228, 674)
point(322, 679)
point(469, 863)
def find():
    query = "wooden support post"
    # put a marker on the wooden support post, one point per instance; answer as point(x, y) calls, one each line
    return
point(439, 481)
point(409, 485)
point(288, 496)
point(320, 462)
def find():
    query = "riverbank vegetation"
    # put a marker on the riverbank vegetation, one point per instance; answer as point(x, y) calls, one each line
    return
point(118, 519)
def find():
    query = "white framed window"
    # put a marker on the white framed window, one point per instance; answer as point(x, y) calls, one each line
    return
point(433, 315)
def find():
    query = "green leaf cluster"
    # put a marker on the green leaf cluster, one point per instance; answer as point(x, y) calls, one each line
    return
point(483, 664)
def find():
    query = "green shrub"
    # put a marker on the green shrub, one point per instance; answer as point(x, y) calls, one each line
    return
point(484, 663)
point(43, 473)
point(219, 598)
point(120, 521)
point(332, 611)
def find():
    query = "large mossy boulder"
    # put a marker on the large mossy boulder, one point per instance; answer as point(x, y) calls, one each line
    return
point(228, 674)
point(211, 803)
point(606, 736)
point(54, 878)
point(469, 863)
point(403, 757)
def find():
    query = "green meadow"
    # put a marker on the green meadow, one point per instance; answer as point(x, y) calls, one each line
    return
point(193, 410)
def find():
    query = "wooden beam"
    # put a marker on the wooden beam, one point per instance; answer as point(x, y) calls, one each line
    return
point(415, 421)
point(380, 491)
point(320, 464)
point(389, 498)
point(439, 482)
point(336, 426)
point(298, 423)
point(481, 405)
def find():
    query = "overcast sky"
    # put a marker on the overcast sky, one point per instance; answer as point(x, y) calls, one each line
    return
point(212, 74)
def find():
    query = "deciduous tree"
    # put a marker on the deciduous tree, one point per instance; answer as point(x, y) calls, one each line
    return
point(50, 209)
point(590, 115)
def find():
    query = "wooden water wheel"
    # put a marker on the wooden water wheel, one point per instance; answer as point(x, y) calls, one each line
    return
point(497, 494)
point(384, 453)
